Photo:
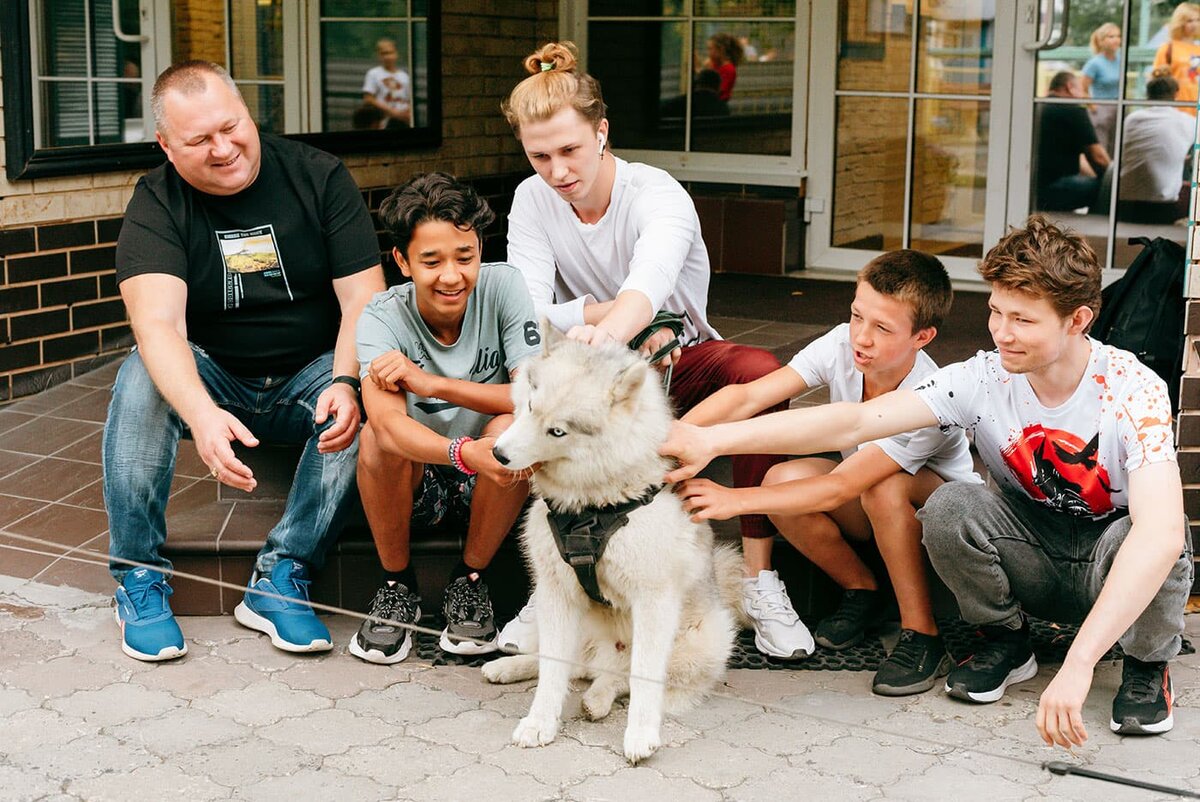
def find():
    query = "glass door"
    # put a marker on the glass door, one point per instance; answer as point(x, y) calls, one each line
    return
point(909, 147)
point(1104, 100)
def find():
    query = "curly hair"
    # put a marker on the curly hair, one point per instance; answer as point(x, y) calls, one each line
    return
point(1048, 262)
point(554, 83)
point(433, 196)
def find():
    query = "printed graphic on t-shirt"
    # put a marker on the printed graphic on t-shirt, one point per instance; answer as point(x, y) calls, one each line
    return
point(1058, 468)
point(254, 271)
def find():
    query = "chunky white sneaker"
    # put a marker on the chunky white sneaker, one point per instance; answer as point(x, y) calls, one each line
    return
point(521, 633)
point(778, 631)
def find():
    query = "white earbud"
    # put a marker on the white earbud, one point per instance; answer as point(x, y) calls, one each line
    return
point(600, 138)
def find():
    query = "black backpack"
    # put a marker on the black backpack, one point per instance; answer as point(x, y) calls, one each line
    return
point(1143, 312)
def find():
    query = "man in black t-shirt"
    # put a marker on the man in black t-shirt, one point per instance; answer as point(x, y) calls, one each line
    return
point(244, 263)
point(1064, 133)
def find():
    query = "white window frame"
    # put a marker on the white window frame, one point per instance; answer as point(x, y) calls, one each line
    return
point(784, 171)
point(822, 256)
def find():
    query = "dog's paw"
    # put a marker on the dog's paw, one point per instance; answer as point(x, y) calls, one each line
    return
point(640, 743)
point(597, 704)
point(506, 670)
point(534, 732)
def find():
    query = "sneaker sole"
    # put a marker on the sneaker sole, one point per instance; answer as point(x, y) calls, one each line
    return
point(378, 657)
point(778, 654)
point(1131, 726)
point(1023, 672)
point(252, 620)
point(467, 647)
point(943, 668)
point(837, 647)
point(166, 653)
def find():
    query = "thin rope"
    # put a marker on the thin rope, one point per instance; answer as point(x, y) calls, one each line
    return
point(75, 553)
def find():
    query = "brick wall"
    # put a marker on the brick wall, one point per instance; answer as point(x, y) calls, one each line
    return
point(60, 313)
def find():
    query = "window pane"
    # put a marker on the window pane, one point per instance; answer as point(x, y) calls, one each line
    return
point(1064, 140)
point(1148, 36)
point(64, 114)
point(636, 8)
point(949, 177)
point(256, 45)
point(1154, 188)
point(420, 8)
point(874, 45)
point(266, 105)
point(955, 48)
point(742, 104)
point(364, 8)
point(356, 55)
point(198, 31)
point(644, 69)
point(745, 8)
point(112, 58)
point(420, 32)
point(868, 192)
point(118, 109)
point(64, 38)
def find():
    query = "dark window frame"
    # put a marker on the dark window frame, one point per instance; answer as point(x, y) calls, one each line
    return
point(23, 161)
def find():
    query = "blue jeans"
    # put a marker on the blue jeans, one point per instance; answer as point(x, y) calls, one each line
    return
point(141, 438)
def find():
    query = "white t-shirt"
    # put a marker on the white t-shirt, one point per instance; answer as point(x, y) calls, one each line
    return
point(1156, 142)
point(391, 88)
point(648, 240)
point(1075, 458)
point(829, 361)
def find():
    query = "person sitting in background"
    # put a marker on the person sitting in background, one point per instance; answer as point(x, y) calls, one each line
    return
point(724, 56)
point(387, 87)
point(1064, 135)
point(1158, 141)
point(705, 100)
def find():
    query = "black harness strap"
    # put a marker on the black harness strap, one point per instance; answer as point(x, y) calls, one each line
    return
point(583, 536)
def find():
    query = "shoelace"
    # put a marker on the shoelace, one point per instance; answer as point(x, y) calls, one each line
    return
point(468, 601)
point(1142, 684)
point(992, 653)
point(907, 653)
point(852, 609)
point(140, 597)
point(294, 587)
point(776, 602)
point(392, 605)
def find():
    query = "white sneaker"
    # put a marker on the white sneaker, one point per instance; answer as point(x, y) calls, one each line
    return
point(778, 631)
point(521, 633)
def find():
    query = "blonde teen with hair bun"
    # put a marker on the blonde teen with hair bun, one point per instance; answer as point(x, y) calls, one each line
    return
point(604, 245)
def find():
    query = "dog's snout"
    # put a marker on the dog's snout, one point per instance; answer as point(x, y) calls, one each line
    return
point(500, 456)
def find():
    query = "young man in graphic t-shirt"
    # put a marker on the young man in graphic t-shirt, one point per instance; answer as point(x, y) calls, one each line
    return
point(244, 262)
point(436, 357)
point(1087, 525)
point(387, 87)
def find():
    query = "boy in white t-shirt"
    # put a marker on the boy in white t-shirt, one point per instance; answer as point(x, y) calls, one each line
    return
point(1088, 523)
point(820, 505)
point(387, 87)
point(436, 356)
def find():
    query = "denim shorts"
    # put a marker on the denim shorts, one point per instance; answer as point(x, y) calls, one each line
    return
point(444, 495)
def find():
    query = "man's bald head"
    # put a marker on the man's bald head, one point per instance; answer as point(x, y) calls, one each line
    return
point(186, 78)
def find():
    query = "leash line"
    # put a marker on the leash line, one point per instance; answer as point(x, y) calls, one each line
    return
point(1058, 768)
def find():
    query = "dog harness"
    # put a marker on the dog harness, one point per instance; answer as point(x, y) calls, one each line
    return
point(582, 536)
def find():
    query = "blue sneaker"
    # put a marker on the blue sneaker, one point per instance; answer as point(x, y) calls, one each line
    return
point(148, 628)
point(292, 625)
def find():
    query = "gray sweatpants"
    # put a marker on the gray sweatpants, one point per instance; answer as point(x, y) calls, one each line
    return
point(1000, 552)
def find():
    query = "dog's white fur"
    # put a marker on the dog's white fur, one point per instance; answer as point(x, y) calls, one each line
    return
point(671, 626)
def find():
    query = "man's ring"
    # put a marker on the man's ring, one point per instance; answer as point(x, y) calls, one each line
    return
point(215, 472)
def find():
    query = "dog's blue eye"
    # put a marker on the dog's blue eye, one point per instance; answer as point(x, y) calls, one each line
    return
point(556, 432)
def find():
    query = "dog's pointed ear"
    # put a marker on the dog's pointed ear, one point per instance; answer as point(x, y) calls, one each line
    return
point(629, 382)
point(550, 336)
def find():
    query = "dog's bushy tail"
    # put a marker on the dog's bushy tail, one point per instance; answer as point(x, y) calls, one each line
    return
point(727, 565)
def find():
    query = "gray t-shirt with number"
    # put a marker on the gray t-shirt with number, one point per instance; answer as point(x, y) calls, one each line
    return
point(498, 333)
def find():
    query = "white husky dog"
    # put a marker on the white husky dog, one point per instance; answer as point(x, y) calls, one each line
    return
point(593, 418)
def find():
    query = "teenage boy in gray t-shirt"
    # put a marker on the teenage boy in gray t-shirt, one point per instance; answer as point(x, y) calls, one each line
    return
point(436, 358)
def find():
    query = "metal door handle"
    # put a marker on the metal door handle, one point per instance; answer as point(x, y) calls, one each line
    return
point(1056, 35)
point(116, 26)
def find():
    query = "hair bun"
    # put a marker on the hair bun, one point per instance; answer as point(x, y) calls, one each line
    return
point(560, 56)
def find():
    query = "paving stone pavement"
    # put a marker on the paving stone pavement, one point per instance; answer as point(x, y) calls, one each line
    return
point(236, 719)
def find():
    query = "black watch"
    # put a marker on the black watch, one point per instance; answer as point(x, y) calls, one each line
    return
point(350, 380)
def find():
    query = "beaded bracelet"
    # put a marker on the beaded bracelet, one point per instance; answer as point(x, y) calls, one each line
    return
point(455, 452)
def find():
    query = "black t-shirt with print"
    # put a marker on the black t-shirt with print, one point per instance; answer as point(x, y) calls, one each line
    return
point(259, 265)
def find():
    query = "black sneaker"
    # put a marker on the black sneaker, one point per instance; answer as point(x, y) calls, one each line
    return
point(470, 624)
point(1004, 658)
point(913, 666)
point(1144, 703)
point(846, 627)
point(378, 641)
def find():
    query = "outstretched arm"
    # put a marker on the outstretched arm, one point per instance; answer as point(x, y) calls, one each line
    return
point(1142, 564)
point(735, 402)
point(831, 427)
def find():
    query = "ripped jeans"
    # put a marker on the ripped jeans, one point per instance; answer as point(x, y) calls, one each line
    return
point(141, 439)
